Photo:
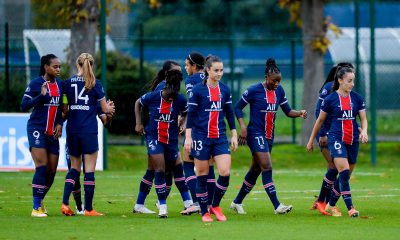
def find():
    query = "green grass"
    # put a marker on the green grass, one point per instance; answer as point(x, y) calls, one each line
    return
point(297, 176)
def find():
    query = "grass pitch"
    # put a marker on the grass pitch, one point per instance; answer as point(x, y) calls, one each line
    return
point(376, 194)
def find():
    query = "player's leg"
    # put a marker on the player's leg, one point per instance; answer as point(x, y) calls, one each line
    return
point(39, 156)
point(144, 189)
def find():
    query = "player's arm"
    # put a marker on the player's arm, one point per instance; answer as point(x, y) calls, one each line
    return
point(239, 115)
point(33, 97)
point(317, 126)
point(191, 117)
point(139, 128)
point(364, 126)
point(292, 113)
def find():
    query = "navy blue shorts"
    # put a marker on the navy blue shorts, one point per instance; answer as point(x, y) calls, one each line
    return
point(38, 139)
point(317, 139)
point(170, 150)
point(82, 143)
point(339, 149)
point(204, 148)
point(259, 143)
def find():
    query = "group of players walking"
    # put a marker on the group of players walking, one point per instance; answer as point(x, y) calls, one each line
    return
point(201, 118)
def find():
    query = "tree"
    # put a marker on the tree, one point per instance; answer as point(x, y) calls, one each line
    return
point(309, 15)
point(82, 16)
point(84, 22)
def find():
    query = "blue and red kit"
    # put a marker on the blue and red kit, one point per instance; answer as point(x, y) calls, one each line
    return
point(344, 128)
point(264, 104)
point(325, 91)
point(208, 107)
point(163, 123)
point(46, 113)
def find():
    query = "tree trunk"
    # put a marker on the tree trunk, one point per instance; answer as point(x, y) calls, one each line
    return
point(312, 16)
point(83, 31)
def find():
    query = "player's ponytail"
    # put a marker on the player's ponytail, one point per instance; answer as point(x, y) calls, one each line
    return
point(45, 60)
point(161, 74)
point(340, 73)
point(332, 73)
point(85, 64)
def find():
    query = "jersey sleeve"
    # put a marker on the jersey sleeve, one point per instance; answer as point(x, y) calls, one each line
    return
point(192, 108)
point(325, 105)
point(183, 104)
point(230, 116)
point(361, 103)
point(243, 101)
point(32, 96)
point(100, 94)
point(283, 102)
point(145, 99)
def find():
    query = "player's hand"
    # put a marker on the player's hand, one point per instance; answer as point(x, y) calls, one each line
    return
point(243, 135)
point(188, 144)
point(323, 141)
point(364, 136)
point(310, 146)
point(234, 143)
point(57, 131)
point(44, 89)
point(110, 107)
point(303, 114)
point(139, 128)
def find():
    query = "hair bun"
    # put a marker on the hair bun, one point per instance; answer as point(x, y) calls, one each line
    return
point(270, 62)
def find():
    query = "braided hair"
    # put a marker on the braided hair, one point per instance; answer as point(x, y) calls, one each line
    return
point(271, 67)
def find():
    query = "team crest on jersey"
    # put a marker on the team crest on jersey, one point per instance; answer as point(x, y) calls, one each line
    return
point(28, 89)
point(202, 75)
point(246, 93)
point(324, 92)
point(190, 94)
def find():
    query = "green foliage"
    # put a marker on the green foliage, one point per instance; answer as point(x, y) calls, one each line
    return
point(213, 18)
point(17, 88)
point(124, 87)
point(161, 26)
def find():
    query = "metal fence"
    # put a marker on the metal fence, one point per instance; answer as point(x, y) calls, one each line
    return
point(246, 56)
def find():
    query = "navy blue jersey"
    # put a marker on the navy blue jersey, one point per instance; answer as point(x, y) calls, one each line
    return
point(46, 113)
point(264, 104)
point(82, 105)
point(343, 112)
point(160, 86)
point(193, 80)
point(325, 91)
point(163, 122)
point(207, 109)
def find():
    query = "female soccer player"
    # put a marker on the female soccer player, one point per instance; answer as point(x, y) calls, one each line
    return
point(330, 181)
point(83, 92)
point(194, 66)
point(44, 127)
point(76, 192)
point(206, 135)
point(264, 99)
point(156, 85)
point(342, 106)
point(161, 138)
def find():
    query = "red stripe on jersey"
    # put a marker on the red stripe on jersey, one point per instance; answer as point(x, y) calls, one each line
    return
point(213, 131)
point(269, 116)
point(347, 125)
point(163, 127)
point(52, 111)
